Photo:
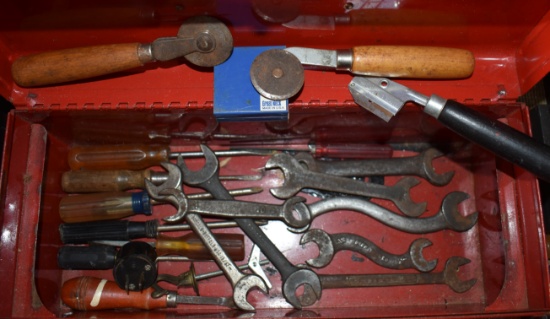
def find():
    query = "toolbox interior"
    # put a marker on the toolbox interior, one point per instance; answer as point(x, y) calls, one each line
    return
point(506, 246)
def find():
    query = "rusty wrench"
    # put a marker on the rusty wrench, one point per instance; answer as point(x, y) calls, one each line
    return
point(297, 177)
point(419, 165)
point(449, 277)
point(329, 245)
point(241, 283)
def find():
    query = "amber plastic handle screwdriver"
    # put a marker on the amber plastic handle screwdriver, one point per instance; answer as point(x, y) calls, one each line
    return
point(78, 63)
point(137, 156)
point(90, 293)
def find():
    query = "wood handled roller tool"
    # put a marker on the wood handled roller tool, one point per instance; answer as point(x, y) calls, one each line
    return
point(385, 98)
point(203, 41)
point(278, 74)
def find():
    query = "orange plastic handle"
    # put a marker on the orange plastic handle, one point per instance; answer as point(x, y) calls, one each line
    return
point(192, 247)
point(111, 157)
point(103, 181)
point(90, 293)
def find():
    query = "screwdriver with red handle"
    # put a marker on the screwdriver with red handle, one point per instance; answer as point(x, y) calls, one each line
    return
point(138, 156)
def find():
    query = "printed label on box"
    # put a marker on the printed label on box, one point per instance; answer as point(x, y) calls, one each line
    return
point(267, 105)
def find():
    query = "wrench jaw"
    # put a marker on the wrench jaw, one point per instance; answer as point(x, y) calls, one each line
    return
point(430, 174)
point(326, 248)
point(177, 198)
point(450, 275)
point(206, 173)
point(290, 169)
point(449, 210)
point(296, 205)
point(312, 288)
point(417, 257)
point(173, 181)
point(405, 203)
point(243, 286)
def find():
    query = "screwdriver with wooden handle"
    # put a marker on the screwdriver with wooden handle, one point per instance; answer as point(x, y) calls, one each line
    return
point(90, 293)
point(138, 156)
point(99, 257)
point(116, 205)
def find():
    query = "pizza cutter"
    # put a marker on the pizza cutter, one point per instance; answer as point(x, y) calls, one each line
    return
point(204, 41)
point(278, 73)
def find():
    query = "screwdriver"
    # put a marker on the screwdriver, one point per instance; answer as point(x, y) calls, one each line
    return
point(91, 181)
point(90, 293)
point(137, 156)
point(81, 233)
point(97, 257)
point(116, 205)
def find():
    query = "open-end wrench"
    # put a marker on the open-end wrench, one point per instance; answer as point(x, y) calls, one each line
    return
point(243, 209)
point(419, 165)
point(292, 276)
point(449, 277)
point(329, 245)
point(241, 283)
point(298, 177)
point(448, 216)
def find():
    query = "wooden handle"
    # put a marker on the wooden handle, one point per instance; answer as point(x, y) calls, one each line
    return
point(90, 293)
point(413, 62)
point(114, 157)
point(77, 64)
point(103, 181)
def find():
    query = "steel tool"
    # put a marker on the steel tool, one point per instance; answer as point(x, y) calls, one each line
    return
point(203, 41)
point(116, 205)
point(90, 293)
point(297, 177)
point(292, 276)
point(278, 74)
point(385, 98)
point(137, 156)
point(419, 165)
point(81, 233)
point(329, 245)
point(448, 216)
point(449, 277)
point(91, 181)
point(241, 283)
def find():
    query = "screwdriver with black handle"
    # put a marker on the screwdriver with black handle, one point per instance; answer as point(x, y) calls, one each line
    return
point(117, 205)
point(124, 230)
point(98, 257)
point(138, 156)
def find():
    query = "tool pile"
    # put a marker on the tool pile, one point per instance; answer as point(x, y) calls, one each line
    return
point(95, 239)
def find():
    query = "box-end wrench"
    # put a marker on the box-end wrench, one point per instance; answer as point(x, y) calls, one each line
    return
point(241, 283)
point(449, 277)
point(296, 177)
point(419, 165)
point(292, 276)
point(330, 244)
point(243, 209)
point(448, 216)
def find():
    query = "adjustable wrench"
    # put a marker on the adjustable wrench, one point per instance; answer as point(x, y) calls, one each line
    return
point(297, 177)
point(243, 209)
point(241, 283)
point(449, 277)
point(329, 245)
point(419, 165)
point(448, 216)
point(292, 276)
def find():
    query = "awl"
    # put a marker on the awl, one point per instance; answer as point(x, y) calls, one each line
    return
point(385, 98)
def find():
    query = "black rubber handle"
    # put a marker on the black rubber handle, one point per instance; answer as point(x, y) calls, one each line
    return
point(80, 233)
point(499, 138)
point(98, 257)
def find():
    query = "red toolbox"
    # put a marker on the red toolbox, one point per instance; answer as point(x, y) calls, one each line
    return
point(170, 103)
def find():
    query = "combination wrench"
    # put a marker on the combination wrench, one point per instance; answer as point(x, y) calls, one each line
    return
point(242, 283)
point(449, 277)
point(448, 216)
point(297, 177)
point(420, 165)
point(292, 276)
point(329, 245)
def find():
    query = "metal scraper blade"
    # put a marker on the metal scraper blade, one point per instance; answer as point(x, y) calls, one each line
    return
point(381, 96)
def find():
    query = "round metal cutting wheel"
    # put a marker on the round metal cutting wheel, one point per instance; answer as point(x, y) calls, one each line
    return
point(277, 74)
point(213, 40)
